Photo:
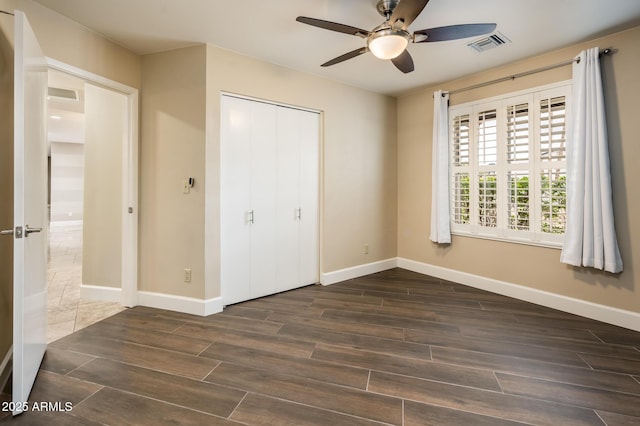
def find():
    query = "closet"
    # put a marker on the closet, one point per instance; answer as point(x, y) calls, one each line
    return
point(269, 219)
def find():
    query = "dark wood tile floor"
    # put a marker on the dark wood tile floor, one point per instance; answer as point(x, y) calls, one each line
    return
point(394, 348)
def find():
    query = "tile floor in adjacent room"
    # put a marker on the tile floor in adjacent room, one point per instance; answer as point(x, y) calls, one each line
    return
point(67, 311)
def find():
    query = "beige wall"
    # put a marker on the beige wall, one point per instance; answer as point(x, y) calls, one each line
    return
point(102, 222)
point(6, 188)
point(181, 138)
point(172, 149)
point(66, 41)
point(534, 267)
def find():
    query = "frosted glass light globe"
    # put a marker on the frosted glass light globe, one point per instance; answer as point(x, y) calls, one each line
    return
point(388, 44)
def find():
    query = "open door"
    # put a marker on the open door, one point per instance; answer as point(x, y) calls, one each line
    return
point(30, 212)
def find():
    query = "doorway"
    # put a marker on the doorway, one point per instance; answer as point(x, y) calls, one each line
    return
point(92, 135)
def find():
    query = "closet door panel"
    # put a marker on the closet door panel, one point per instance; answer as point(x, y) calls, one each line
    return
point(235, 199)
point(263, 198)
point(288, 199)
point(309, 198)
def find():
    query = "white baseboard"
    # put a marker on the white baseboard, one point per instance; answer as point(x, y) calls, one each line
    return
point(608, 314)
point(98, 292)
point(187, 305)
point(6, 367)
point(333, 277)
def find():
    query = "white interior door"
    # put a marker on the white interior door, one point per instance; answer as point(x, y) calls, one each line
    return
point(30, 212)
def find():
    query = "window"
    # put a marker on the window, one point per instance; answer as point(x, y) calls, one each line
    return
point(508, 166)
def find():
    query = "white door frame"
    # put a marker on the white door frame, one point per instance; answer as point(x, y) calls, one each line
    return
point(129, 275)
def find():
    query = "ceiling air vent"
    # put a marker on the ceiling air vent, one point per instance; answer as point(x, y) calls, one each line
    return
point(67, 94)
point(494, 40)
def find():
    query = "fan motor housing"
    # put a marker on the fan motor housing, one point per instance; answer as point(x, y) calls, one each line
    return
point(386, 7)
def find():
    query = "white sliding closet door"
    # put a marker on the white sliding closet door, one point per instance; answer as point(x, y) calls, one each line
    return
point(262, 206)
point(309, 247)
point(235, 199)
point(288, 195)
point(297, 223)
point(269, 198)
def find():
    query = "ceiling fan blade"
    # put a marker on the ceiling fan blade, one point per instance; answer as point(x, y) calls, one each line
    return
point(407, 11)
point(404, 62)
point(454, 32)
point(346, 56)
point(333, 26)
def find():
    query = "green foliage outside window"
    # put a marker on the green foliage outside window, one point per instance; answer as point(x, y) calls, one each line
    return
point(487, 200)
point(463, 200)
point(519, 202)
point(554, 201)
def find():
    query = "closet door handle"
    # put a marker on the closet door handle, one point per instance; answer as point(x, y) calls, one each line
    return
point(250, 217)
point(299, 213)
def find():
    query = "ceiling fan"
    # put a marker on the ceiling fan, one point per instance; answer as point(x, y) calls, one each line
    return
point(390, 39)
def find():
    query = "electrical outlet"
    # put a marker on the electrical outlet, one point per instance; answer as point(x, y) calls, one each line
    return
point(365, 250)
point(187, 275)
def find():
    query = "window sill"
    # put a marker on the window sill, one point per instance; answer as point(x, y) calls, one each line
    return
point(545, 244)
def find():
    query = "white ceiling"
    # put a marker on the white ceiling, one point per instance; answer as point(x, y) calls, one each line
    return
point(267, 30)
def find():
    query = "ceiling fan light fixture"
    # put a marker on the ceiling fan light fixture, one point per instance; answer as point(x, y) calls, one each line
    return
point(388, 43)
point(390, 39)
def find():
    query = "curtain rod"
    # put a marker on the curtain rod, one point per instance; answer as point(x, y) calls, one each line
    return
point(607, 51)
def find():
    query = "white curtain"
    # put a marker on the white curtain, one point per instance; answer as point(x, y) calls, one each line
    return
point(590, 236)
point(440, 228)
